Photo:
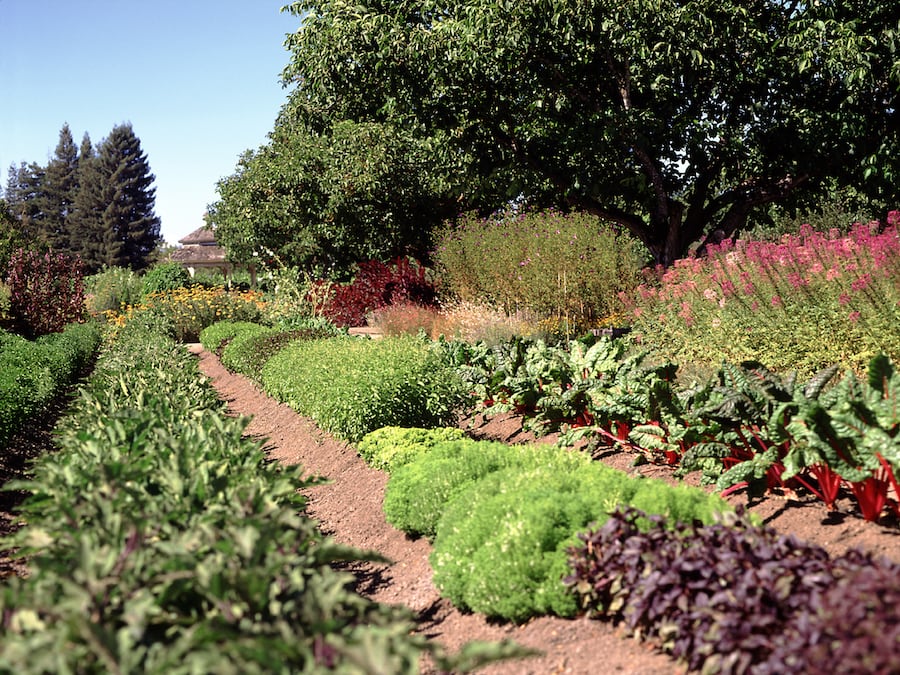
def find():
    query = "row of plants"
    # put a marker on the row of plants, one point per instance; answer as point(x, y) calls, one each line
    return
point(737, 597)
point(35, 372)
point(158, 539)
point(800, 303)
point(502, 518)
point(519, 531)
point(188, 310)
point(371, 383)
point(745, 427)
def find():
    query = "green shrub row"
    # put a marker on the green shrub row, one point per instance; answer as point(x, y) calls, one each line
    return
point(244, 347)
point(33, 373)
point(161, 541)
point(503, 517)
point(351, 386)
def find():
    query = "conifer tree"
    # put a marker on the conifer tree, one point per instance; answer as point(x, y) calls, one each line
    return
point(114, 222)
point(85, 221)
point(24, 194)
point(59, 188)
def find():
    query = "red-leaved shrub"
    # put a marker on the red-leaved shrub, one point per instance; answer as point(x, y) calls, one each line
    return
point(46, 291)
point(378, 285)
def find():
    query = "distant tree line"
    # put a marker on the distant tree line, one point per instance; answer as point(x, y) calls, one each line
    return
point(93, 202)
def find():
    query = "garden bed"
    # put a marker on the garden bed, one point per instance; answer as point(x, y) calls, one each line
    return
point(349, 507)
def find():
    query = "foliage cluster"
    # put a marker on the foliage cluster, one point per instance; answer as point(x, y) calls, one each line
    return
point(249, 350)
point(802, 303)
point(187, 311)
point(399, 381)
point(390, 447)
point(112, 288)
point(33, 373)
point(245, 347)
point(322, 195)
point(458, 320)
point(419, 489)
point(639, 112)
point(596, 381)
point(744, 427)
point(166, 276)
point(292, 296)
point(216, 336)
point(46, 291)
point(190, 553)
point(376, 284)
point(571, 267)
point(739, 598)
point(5, 302)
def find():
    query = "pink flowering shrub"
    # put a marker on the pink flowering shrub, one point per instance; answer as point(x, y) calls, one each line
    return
point(801, 303)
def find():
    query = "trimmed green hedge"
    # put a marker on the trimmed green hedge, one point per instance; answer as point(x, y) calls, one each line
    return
point(214, 337)
point(352, 386)
point(32, 374)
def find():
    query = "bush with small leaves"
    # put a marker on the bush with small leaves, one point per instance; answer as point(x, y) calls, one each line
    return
point(419, 491)
point(351, 386)
point(501, 544)
point(390, 447)
point(166, 276)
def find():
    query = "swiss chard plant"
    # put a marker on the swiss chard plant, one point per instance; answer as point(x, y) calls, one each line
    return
point(855, 433)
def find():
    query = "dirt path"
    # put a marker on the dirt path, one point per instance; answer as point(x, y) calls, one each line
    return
point(349, 508)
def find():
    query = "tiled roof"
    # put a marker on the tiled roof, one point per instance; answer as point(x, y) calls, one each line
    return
point(202, 237)
point(198, 254)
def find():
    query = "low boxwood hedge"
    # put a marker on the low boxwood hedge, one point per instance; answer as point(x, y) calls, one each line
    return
point(351, 386)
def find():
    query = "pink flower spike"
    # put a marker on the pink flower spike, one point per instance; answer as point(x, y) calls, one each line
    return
point(853, 316)
point(776, 301)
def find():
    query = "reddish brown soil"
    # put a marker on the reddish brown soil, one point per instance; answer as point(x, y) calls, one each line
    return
point(348, 507)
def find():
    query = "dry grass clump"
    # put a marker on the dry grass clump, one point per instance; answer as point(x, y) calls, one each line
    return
point(469, 321)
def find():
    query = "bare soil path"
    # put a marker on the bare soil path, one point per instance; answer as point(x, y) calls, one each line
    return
point(348, 507)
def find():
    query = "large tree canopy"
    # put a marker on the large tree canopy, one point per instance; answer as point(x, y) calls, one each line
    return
point(324, 199)
point(674, 118)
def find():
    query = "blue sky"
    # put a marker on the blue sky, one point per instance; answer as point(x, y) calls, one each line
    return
point(197, 79)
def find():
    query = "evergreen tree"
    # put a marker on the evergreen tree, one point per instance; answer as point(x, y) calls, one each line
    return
point(60, 186)
point(24, 196)
point(86, 151)
point(86, 220)
point(114, 223)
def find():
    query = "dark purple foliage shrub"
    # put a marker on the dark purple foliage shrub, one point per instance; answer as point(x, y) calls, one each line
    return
point(46, 291)
point(378, 285)
point(720, 597)
point(851, 628)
